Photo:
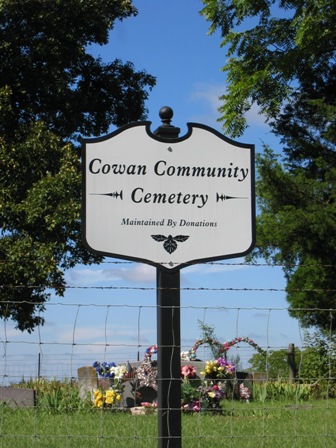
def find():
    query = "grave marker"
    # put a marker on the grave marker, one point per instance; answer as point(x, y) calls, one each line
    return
point(87, 380)
point(16, 397)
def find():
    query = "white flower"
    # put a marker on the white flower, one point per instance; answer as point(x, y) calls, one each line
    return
point(118, 371)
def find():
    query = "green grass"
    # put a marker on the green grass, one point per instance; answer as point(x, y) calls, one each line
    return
point(245, 425)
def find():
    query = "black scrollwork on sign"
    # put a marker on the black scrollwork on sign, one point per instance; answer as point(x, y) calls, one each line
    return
point(224, 197)
point(112, 195)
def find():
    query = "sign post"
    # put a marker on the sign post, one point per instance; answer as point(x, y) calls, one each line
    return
point(168, 201)
point(168, 335)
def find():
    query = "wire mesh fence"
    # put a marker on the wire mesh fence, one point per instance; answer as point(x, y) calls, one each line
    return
point(109, 314)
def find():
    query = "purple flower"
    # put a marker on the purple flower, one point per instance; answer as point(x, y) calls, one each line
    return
point(222, 362)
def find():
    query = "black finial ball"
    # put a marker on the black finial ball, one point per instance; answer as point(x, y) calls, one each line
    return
point(166, 114)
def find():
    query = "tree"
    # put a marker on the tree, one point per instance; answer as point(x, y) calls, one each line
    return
point(318, 357)
point(52, 91)
point(208, 334)
point(274, 363)
point(282, 58)
point(315, 363)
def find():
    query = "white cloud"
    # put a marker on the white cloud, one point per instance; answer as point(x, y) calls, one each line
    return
point(137, 272)
point(207, 98)
point(118, 335)
point(214, 268)
point(209, 94)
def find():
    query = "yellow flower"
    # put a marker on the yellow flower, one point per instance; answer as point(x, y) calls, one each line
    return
point(110, 393)
point(109, 400)
point(118, 397)
point(211, 394)
point(98, 396)
point(98, 403)
point(97, 393)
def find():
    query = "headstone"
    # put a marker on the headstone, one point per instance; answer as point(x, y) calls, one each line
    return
point(87, 380)
point(259, 377)
point(17, 397)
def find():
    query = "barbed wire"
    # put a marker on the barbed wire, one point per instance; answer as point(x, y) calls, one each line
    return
point(153, 288)
point(251, 264)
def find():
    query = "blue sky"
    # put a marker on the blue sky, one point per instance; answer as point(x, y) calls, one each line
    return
point(109, 310)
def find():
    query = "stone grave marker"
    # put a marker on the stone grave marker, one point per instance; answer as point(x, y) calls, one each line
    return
point(87, 380)
point(15, 397)
point(259, 377)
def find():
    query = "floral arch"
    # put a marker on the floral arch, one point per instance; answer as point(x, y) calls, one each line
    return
point(223, 347)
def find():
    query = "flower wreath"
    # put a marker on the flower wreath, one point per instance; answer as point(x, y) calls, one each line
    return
point(152, 350)
point(210, 341)
point(223, 348)
point(147, 372)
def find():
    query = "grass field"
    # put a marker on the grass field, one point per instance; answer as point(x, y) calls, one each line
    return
point(243, 425)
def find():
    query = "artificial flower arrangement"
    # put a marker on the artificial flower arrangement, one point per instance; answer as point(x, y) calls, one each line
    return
point(244, 392)
point(222, 348)
point(116, 375)
point(104, 369)
point(210, 399)
point(207, 393)
point(143, 376)
point(149, 407)
point(198, 394)
point(146, 373)
point(218, 369)
point(218, 377)
point(106, 399)
point(188, 372)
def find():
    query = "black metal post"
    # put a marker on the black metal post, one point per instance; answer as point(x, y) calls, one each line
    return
point(39, 366)
point(168, 335)
point(169, 348)
point(291, 363)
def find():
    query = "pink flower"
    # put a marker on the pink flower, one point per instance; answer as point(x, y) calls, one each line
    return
point(188, 371)
point(146, 404)
point(244, 392)
point(196, 407)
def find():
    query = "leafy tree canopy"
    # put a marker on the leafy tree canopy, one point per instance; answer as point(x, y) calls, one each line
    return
point(281, 57)
point(275, 48)
point(52, 90)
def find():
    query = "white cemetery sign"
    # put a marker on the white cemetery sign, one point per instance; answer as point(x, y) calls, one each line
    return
point(168, 203)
